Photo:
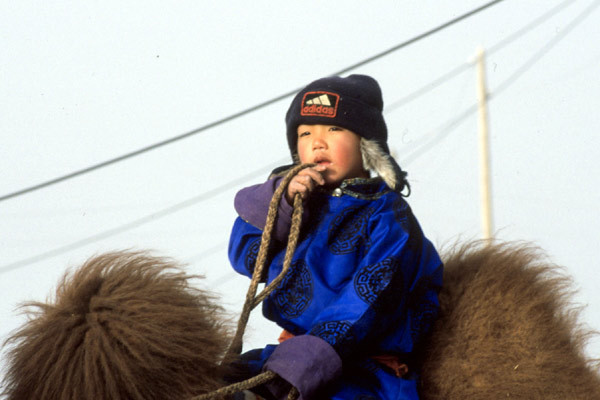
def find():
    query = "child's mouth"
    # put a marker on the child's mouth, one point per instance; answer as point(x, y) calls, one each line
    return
point(322, 161)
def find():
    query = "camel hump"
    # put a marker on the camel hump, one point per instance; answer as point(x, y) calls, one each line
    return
point(507, 328)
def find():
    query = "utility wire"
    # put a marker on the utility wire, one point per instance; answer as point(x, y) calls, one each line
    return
point(549, 45)
point(419, 37)
point(141, 221)
point(428, 87)
point(243, 112)
point(446, 129)
point(533, 24)
point(226, 277)
point(206, 253)
point(466, 66)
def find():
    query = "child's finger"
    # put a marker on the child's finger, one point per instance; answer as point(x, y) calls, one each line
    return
point(305, 180)
point(314, 173)
point(296, 187)
point(304, 183)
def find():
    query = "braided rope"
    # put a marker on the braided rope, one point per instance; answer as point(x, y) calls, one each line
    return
point(251, 299)
point(293, 394)
point(289, 252)
point(238, 387)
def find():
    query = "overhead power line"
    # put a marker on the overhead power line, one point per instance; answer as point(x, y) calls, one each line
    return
point(243, 112)
point(467, 65)
point(533, 24)
point(447, 127)
point(419, 37)
point(546, 48)
point(144, 220)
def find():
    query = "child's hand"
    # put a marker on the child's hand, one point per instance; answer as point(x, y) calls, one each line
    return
point(305, 182)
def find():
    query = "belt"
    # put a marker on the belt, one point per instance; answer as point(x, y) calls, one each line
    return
point(390, 361)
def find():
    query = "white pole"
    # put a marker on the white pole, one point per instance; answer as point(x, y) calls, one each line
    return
point(484, 151)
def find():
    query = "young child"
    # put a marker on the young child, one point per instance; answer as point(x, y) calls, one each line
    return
point(362, 288)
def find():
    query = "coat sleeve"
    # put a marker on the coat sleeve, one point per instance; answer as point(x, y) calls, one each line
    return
point(244, 243)
point(252, 205)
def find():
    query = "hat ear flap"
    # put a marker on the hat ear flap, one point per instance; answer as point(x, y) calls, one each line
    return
point(296, 158)
point(375, 159)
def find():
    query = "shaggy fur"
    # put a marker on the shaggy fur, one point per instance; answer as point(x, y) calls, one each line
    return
point(506, 330)
point(129, 326)
point(374, 159)
point(123, 326)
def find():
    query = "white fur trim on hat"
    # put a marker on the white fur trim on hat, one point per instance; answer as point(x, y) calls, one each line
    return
point(376, 160)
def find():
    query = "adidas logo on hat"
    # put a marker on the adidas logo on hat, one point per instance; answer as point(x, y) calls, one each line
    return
point(320, 104)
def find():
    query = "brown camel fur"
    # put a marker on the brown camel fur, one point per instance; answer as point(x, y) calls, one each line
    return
point(126, 326)
point(506, 330)
point(123, 326)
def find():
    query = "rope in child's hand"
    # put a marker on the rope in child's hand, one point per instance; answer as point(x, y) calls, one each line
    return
point(252, 300)
point(237, 387)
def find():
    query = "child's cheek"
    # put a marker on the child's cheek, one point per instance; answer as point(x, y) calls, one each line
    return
point(301, 154)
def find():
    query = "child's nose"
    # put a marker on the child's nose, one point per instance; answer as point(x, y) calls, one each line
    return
point(319, 144)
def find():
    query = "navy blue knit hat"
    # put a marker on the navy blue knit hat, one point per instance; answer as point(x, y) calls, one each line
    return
point(354, 103)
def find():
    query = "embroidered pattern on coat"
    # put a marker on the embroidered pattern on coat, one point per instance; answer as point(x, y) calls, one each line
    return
point(295, 292)
point(331, 331)
point(251, 255)
point(348, 231)
point(372, 279)
point(422, 319)
point(401, 213)
point(424, 311)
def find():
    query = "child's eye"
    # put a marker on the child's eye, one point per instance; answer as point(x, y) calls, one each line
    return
point(336, 128)
point(306, 133)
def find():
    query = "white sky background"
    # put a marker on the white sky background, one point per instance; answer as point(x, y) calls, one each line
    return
point(83, 82)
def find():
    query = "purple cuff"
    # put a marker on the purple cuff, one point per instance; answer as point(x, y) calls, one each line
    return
point(252, 204)
point(307, 362)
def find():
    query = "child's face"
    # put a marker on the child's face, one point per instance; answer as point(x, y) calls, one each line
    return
point(336, 148)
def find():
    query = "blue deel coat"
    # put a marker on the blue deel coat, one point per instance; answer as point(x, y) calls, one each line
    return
point(364, 279)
